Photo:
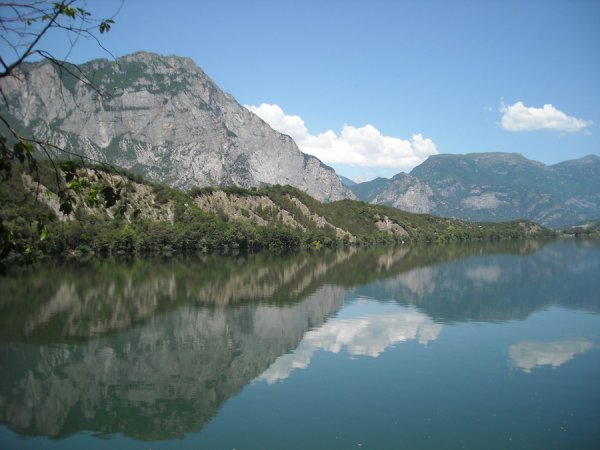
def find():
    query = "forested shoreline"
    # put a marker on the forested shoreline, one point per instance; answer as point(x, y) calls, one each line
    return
point(113, 212)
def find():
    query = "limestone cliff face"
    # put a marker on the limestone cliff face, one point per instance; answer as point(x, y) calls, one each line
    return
point(407, 193)
point(164, 118)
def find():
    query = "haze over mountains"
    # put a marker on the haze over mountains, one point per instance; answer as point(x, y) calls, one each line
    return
point(494, 187)
point(165, 119)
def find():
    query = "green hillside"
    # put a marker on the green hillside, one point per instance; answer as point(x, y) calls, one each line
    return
point(147, 218)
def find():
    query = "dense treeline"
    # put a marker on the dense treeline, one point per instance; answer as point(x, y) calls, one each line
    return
point(33, 230)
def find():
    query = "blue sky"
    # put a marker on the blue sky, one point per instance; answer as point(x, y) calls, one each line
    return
point(378, 85)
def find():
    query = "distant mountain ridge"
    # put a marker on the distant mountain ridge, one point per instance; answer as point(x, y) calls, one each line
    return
point(494, 187)
point(165, 119)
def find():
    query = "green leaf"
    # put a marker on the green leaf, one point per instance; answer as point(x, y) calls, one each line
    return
point(67, 166)
point(22, 150)
point(91, 199)
point(110, 196)
point(74, 185)
point(105, 26)
point(66, 203)
point(42, 231)
point(66, 10)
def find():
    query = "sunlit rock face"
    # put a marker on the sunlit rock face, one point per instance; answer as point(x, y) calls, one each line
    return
point(407, 193)
point(164, 118)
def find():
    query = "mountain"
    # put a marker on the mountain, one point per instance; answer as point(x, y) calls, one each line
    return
point(369, 189)
point(583, 173)
point(405, 192)
point(495, 187)
point(164, 118)
point(347, 181)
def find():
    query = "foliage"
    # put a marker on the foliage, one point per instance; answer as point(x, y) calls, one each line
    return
point(120, 225)
point(24, 26)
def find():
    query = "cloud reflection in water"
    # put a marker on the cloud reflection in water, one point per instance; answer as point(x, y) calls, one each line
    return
point(369, 334)
point(531, 355)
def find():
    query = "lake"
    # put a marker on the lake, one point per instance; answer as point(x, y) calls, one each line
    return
point(485, 346)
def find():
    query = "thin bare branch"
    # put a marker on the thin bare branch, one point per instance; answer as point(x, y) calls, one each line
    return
point(73, 70)
point(52, 146)
point(29, 50)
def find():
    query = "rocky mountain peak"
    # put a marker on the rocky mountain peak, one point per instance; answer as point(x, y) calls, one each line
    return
point(162, 117)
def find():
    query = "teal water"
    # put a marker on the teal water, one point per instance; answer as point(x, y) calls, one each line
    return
point(481, 346)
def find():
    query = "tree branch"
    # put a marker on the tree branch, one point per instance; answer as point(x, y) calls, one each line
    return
point(29, 50)
point(55, 147)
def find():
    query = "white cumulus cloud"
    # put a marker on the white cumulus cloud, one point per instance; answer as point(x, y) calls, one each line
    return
point(519, 117)
point(362, 146)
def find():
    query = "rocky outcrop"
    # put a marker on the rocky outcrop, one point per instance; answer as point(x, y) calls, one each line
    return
point(136, 200)
point(164, 118)
point(258, 208)
point(385, 224)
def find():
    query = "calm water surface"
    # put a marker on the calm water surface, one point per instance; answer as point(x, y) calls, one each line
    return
point(485, 346)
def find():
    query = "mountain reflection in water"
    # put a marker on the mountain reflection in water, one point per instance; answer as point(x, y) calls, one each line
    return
point(153, 350)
